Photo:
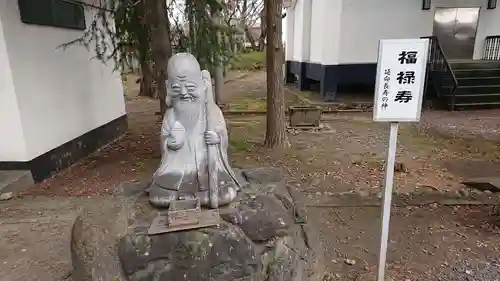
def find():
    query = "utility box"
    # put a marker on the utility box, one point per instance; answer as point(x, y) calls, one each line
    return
point(304, 116)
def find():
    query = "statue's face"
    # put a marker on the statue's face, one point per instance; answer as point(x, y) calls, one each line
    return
point(185, 82)
point(185, 89)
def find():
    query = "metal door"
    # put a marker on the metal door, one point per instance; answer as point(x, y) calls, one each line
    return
point(456, 30)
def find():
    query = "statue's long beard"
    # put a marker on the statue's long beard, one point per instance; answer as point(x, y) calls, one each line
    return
point(190, 114)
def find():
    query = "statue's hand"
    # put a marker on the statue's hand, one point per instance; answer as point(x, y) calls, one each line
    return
point(173, 144)
point(212, 137)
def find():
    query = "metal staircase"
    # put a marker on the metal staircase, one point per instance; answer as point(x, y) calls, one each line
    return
point(463, 84)
point(478, 85)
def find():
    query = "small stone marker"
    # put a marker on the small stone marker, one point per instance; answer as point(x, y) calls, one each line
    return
point(308, 116)
point(183, 215)
point(183, 212)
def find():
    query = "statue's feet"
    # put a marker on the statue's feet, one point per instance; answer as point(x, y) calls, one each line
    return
point(160, 197)
point(227, 193)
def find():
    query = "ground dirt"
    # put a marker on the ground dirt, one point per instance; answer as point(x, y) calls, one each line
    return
point(35, 235)
point(427, 242)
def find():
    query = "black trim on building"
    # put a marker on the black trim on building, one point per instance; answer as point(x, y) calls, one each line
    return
point(332, 78)
point(67, 154)
point(492, 4)
point(426, 5)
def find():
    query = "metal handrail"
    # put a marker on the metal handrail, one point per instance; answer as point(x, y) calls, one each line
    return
point(440, 68)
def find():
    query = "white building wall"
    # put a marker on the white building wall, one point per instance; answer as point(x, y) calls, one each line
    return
point(12, 144)
point(365, 22)
point(297, 30)
point(489, 24)
point(317, 31)
point(289, 32)
point(332, 31)
point(302, 30)
point(61, 94)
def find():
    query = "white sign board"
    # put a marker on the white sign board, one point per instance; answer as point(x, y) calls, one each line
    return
point(400, 80)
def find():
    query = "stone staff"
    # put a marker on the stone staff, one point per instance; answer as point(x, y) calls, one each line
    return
point(213, 184)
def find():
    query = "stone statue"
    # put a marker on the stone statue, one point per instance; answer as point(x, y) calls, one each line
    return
point(194, 141)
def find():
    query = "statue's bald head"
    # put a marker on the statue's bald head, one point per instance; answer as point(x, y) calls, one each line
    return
point(185, 80)
point(184, 64)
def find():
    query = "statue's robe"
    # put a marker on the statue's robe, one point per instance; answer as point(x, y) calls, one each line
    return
point(184, 172)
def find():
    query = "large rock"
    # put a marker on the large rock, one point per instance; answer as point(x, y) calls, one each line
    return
point(263, 235)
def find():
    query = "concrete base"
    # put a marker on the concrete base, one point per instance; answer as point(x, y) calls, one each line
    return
point(43, 166)
point(332, 79)
point(15, 181)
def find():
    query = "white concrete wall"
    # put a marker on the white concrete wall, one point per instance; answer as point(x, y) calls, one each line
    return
point(489, 24)
point(348, 31)
point(364, 22)
point(302, 30)
point(61, 94)
point(318, 30)
point(297, 31)
point(289, 33)
point(12, 144)
point(332, 16)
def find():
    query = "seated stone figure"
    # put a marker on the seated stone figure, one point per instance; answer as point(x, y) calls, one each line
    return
point(194, 141)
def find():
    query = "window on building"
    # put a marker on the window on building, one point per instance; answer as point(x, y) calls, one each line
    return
point(58, 13)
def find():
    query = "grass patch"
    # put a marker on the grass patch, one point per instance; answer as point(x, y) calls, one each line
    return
point(240, 145)
point(250, 125)
point(241, 134)
point(249, 61)
point(312, 96)
point(249, 103)
point(291, 99)
point(443, 144)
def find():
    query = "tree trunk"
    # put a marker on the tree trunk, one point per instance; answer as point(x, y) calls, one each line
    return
point(191, 24)
point(219, 67)
point(160, 46)
point(275, 128)
point(263, 26)
point(146, 82)
point(246, 28)
point(250, 38)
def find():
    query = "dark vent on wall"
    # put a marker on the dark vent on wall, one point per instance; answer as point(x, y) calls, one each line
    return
point(492, 4)
point(426, 4)
point(57, 13)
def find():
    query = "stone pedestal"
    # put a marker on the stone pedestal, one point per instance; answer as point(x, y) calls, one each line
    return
point(263, 235)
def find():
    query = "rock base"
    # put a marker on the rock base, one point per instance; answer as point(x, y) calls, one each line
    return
point(263, 235)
